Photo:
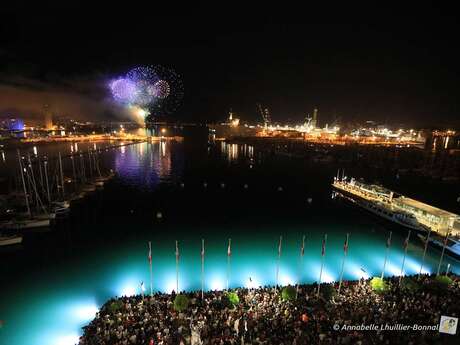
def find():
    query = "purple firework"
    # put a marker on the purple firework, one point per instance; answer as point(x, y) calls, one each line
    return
point(144, 77)
point(169, 91)
point(161, 89)
point(156, 87)
point(144, 93)
point(123, 89)
point(142, 74)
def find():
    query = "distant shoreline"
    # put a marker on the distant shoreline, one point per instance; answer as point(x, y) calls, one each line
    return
point(9, 144)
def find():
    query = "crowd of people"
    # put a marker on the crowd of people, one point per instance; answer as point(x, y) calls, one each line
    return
point(263, 317)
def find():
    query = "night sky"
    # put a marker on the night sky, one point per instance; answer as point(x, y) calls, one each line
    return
point(402, 68)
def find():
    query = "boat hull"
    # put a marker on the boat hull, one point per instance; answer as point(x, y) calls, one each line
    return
point(366, 205)
point(11, 240)
point(24, 225)
point(437, 244)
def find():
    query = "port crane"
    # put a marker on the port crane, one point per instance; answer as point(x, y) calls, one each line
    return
point(307, 122)
point(265, 113)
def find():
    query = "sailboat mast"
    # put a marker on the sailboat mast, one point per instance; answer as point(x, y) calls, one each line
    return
point(24, 183)
point(45, 167)
point(62, 176)
point(73, 170)
point(90, 165)
point(42, 184)
point(82, 161)
point(32, 180)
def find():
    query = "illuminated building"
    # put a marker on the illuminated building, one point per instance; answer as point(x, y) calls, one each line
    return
point(13, 124)
point(314, 121)
point(48, 117)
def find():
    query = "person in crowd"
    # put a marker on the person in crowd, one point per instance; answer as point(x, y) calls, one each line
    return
point(262, 317)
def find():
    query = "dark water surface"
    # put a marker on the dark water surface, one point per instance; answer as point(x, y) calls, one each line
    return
point(54, 282)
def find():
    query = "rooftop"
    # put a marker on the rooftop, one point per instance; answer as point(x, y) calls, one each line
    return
point(427, 208)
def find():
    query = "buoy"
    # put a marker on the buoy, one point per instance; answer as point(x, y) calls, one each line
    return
point(205, 184)
point(280, 189)
point(159, 215)
point(182, 184)
point(222, 185)
point(132, 211)
point(309, 200)
point(246, 186)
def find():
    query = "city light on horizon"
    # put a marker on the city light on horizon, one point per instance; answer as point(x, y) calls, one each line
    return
point(200, 179)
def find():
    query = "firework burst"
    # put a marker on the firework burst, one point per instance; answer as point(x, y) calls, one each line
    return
point(161, 89)
point(123, 90)
point(157, 88)
point(169, 91)
point(142, 74)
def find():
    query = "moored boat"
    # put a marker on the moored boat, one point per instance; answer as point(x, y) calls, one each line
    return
point(397, 208)
point(381, 210)
point(60, 208)
point(405, 212)
point(24, 224)
point(8, 240)
point(452, 244)
point(88, 188)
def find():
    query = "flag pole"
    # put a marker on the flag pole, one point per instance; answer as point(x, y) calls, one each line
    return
point(278, 262)
point(229, 255)
point(302, 252)
point(406, 244)
point(345, 252)
point(177, 267)
point(150, 264)
point(424, 252)
point(202, 268)
point(386, 255)
point(323, 253)
point(442, 253)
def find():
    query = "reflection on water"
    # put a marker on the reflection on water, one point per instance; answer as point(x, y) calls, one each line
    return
point(146, 164)
point(143, 164)
point(73, 147)
point(51, 305)
point(233, 151)
point(445, 142)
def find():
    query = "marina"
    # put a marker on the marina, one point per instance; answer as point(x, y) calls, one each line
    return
point(47, 196)
point(82, 275)
point(167, 179)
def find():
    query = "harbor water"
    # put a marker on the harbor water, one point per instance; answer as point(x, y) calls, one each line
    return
point(55, 281)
